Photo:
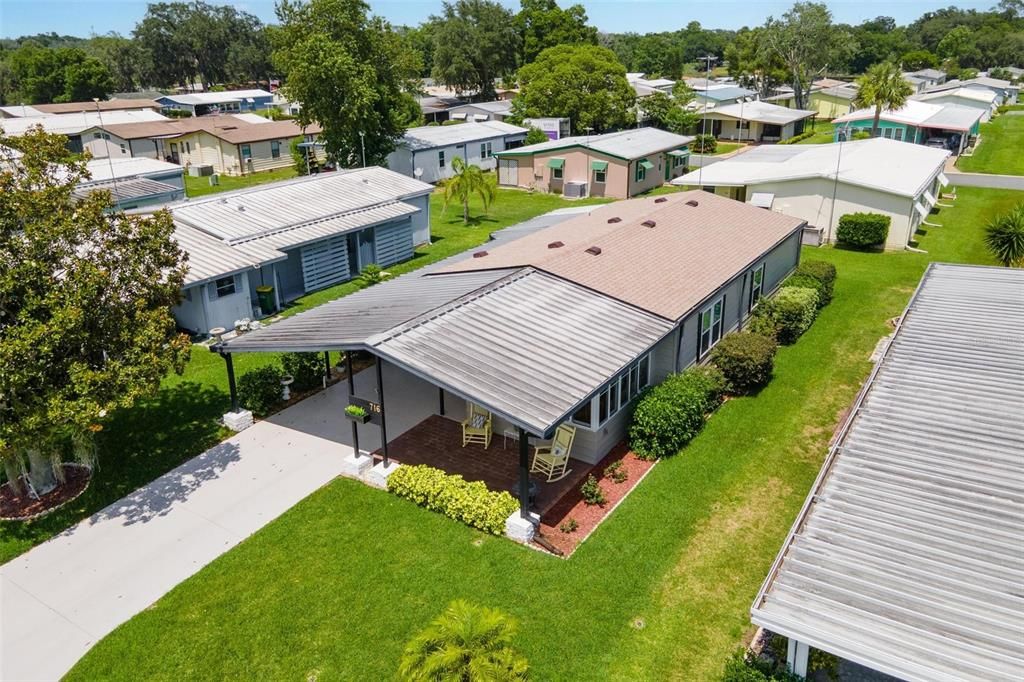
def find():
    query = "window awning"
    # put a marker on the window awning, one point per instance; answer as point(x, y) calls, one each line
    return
point(599, 165)
point(556, 163)
point(919, 207)
point(762, 199)
point(646, 165)
point(929, 200)
point(480, 117)
point(459, 116)
point(679, 152)
point(943, 180)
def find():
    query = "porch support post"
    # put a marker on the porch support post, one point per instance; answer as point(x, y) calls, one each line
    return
point(440, 401)
point(232, 388)
point(383, 421)
point(327, 367)
point(352, 392)
point(797, 654)
point(524, 474)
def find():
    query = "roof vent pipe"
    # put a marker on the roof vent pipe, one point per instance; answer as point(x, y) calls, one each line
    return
point(615, 220)
point(648, 223)
point(555, 245)
point(594, 251)
point(692, 202)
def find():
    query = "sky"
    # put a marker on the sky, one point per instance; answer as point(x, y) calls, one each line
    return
point(84, 17)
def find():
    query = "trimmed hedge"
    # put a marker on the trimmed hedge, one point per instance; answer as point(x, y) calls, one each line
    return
point(259, 390)
point(792, 309)
point(863, 229)
point(824, 272)
point(306, 368)
point(453, 496)
point(669, 415)
point(808, 282)
point(746, 360)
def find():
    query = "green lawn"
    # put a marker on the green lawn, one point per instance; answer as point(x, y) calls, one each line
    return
point(820, 137)
point(334, 588)
point(1001, 150)
point(726, 148)
point(197, 187)
point(182, 420)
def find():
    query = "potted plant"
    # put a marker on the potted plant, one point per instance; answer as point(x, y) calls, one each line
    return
point(357, 414)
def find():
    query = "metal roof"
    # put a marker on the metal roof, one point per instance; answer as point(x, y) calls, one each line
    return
point(634, 143)
point(908, 554)
point(340, 224)
point(530, 347)
point(209, 257)
point(430, 137)
point(918, 113)
point(133, 166)
point(720, 94)
point(762, 112)
point(224, 97)
point(74, 124)
point(126, 189)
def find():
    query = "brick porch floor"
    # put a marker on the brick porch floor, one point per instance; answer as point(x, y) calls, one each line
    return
point(437, 442)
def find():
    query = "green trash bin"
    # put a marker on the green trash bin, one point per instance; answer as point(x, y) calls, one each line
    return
point(265, 294)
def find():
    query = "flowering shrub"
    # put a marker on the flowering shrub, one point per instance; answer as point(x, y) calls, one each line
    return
point(453, 496)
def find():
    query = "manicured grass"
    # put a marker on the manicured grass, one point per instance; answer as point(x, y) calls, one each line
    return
point(1000, 151)
point(335, 587)
point(726, 148)
point(820, 137)
point(182, 420)
point(197, 187)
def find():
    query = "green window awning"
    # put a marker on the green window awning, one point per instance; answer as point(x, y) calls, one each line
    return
point(556, 163)
point(646, 165)
point(679, 152)
point(599, 165)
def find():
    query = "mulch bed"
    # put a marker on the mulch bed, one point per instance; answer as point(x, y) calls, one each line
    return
point(23, 508)
point(587, 517)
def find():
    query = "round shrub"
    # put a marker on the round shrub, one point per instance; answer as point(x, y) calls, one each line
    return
point(306, 368)
point(704, 144)
point(746, 360)
point(824, 272)
point(863, 230)
point(259, 390)
point(793, 310)
point(762, 322)
point(670, 414)
point(808, 282)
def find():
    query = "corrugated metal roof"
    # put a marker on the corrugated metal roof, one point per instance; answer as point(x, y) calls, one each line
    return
point(73, 124)
point(429, 137)
point(530, 347)
point(261, 211)
point(909, 554)
point(319, 229)
point(626, 144)
point(126, 189)
point(209, 257)
point(762, 112)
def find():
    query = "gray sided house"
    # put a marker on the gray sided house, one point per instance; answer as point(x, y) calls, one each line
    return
point(296, 236)
point(565, 319)
point(426, 152)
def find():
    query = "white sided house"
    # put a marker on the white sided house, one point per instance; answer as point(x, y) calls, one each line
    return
point(757, 121)
point(879, 175)
point(426, 152)
point(296, 237)
point(982, 99)
point(135, 183)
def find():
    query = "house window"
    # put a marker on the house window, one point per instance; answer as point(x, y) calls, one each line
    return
point(225, 286)
point(600, 176)
point(616, 395)
point(275, 149)
point(756, 286)
point(485, 150)
point(188, 147)
point(743, 125)
point(246, 151)
point(710, 322)
point(898, 134)
point(641, 172)
point(440, 159)
point(556, 173)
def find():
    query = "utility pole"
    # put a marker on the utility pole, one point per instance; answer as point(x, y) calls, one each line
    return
point(106, 145)
point(704, 117)
point(362, 146)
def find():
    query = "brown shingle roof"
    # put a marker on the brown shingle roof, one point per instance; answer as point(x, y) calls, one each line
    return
point(104, 105)
point(667, 269)
point(228, 128)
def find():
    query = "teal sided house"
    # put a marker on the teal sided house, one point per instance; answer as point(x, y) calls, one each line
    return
point(950, 125)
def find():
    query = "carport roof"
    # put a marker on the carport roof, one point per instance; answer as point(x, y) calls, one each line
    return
point(907, 556)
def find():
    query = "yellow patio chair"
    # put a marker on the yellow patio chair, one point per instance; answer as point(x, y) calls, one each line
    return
point(476, 428)
point(553, 460)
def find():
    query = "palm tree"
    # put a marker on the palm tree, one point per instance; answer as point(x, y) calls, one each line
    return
point(467, 181)
point(465, 643)
point(883, 88)
point(1004, 237)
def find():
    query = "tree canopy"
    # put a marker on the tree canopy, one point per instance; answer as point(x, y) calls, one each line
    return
point(475, 42)
point(543, 24)
point(668, 111)
point(882, 88)
point(351, 71)
point(583, 82)
point(85, 307)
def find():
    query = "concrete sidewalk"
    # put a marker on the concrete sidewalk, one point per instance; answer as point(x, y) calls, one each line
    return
point(989, 180)
point(60, 598)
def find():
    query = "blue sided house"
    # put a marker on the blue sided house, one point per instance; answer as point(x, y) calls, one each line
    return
point(946, 126)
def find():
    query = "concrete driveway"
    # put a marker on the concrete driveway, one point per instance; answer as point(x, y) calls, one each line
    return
point(60, 598)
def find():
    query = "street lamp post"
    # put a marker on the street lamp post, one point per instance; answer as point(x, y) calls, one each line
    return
point(362, 146)
point(704, 117)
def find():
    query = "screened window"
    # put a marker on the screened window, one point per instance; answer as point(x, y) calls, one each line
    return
point(440, 159)
point(756, 286)
point(246, 151)
point(225, 286)
point(898, 134)
point(188, 147)
point(711, 325)
point(641, 172)
point(275, 149)
point(615, 395)
point(600, 176)
point(556, 173)
point(485, 150)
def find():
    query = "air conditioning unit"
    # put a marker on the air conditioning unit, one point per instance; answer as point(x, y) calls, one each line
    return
point(200, 170)
point(575, 190)
point(214, 180)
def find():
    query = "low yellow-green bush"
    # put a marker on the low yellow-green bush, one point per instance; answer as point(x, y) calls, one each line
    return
point(450, 494)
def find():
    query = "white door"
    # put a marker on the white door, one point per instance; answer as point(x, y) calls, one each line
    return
point(508, 172)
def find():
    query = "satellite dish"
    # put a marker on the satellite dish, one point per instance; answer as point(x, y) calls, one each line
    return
point(418, 172)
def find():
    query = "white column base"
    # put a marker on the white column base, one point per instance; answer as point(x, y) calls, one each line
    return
point(377, 476)
point(519, 529)
point(238, 421)
point(797, 654)
point(356, 467)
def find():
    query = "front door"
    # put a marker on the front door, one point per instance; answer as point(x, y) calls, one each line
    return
point(508, 172)
point(366, 250)
point(174, 153)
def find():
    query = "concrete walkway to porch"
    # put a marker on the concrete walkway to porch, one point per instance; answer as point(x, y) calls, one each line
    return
point(60, 598)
